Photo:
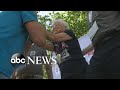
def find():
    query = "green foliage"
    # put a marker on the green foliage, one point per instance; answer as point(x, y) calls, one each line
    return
point(46, 20)
point(77, 20)
point(45, 76)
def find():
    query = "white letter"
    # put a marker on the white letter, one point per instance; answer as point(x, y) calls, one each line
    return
point(17, 60)
point(54, 60)
point(37, 60)
point(29, 59)
point(22, 60)
point(13, 60)
point(46, 60)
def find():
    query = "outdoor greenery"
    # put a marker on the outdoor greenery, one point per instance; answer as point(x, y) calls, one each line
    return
point(77, 21)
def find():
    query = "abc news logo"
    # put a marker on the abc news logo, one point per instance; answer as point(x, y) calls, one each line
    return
point(20, 59)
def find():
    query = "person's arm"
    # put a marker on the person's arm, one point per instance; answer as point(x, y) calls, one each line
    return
point(37, 32)
point(58, 37)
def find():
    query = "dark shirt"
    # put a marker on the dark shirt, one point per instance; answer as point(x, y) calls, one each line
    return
point(70, 49)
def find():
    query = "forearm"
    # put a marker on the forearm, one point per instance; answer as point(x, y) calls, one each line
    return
point(50, 36)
